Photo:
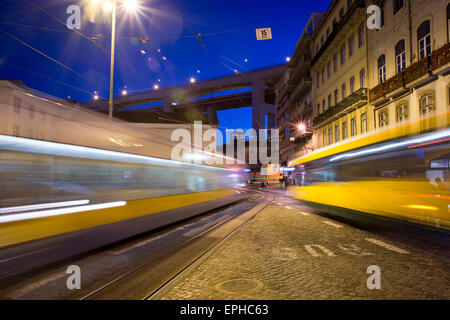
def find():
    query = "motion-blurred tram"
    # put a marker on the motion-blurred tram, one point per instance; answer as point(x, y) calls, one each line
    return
point(71, 180)
point(399, 173)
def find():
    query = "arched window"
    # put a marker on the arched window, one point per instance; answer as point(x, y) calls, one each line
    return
point(426, 105)
point(382, 68)
point(383, 119)
point(424, 39)
point(402, 112)
point(400, 56)
point(362, 78)
point(352, 85)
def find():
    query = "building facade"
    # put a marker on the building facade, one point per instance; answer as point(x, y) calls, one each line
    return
point(294, 99)
point(366, 80)
point(340, 73)
point(410, 61)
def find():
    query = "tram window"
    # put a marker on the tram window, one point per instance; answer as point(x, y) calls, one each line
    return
point(439, 164)
point(390, 174)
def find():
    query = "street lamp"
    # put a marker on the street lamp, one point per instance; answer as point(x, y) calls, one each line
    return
point(110, 5)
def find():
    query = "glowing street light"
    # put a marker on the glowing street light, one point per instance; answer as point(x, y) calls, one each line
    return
point(130, 5)
point(110, 6)
point(156, 87)
point(288, 59)
point(124, 92)
point(301, 127)
point(96, 97)
point(192, 80)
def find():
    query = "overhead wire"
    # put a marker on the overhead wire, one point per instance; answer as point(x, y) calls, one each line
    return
point(45, 77)
point(52, 59)
point(90, 39)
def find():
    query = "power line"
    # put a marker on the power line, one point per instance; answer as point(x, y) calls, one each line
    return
point(211, 34)
point(50, 58)
point(199, 39)
point(45, 77)
point(90, 40)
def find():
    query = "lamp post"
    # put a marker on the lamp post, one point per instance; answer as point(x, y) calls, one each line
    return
point(113, 44)
point(110, 5)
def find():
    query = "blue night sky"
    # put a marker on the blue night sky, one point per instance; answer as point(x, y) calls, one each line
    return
point(228, 29)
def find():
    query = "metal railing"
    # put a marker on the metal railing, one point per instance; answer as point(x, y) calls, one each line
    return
point(355, 97)
point(417, 70)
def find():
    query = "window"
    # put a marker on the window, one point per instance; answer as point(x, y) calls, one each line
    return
point(16, 131)
point(31, 112)
point(363, 123)
point(353, 127)
point(343, 54)
point(337, 135)
point(344, 130)
point(318, 80)
point(344, 91)
point(324, 137)
point(321, 41)
point(335, 59)
point(352, 85)
point(336, 97)
point(382, 69)
point(398, 4)
point(318, 140)
point(318, 108)
point(16, 105)
point(330, 136)
point(329, 101)
point(341, 12)
point(323, 75)
point(328, 32)
point(351, 45)
point(400, 56)
point(402, 113)
point(362, 78)
point(448, 23)
point(424, 39)
point(381, 5)
point(426, 105)
point(361, 35)
point(349, 3)
point(383, 120)
point(329, 69)
point(323, 105)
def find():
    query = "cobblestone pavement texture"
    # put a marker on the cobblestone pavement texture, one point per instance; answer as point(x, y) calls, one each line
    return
point(284, 253)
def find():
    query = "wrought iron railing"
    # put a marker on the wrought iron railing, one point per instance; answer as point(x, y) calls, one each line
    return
point(417, 70)
point(357, 96)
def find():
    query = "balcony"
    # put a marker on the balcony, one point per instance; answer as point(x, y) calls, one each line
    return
point(356, 97)
point(338, 27)
point(437, 59)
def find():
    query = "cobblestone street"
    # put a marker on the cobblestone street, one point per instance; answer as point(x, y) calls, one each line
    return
point(289, 252)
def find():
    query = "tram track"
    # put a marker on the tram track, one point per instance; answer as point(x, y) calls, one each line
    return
point(188, 253)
